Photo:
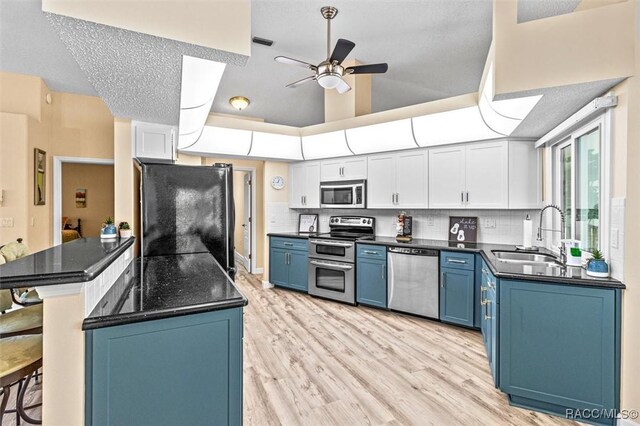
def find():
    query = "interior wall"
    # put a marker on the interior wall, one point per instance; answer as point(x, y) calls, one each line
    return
point(14, 176)
point(630, 393)
point(62, 124)
point(259, 191)
point(98, 182)
point(274, 200)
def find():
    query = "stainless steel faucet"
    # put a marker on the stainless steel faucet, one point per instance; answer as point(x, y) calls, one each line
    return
point(563, 250)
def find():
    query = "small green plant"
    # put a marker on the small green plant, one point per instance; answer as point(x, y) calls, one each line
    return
point(124, 225)
point(108, 220)
point(596, 254)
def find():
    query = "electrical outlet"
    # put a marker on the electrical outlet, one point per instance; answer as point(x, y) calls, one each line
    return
point(490, 223)
point(6, 222)
point(430, 221)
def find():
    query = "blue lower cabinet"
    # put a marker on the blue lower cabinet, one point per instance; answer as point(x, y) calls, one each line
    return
point(181, 370)
point(371, 282)
point(289, 263)
point(560, 348)
point(457, 296)
point(488, 309)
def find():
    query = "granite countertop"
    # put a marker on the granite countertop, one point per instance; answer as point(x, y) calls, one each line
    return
point(76, 261)
point(553, 274)
point(158, 287)
point(304, 235)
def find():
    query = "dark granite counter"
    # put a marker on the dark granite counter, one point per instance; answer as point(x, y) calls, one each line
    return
point(303, 235)
point(166, 286)
point(79, 260)
point(552, 274)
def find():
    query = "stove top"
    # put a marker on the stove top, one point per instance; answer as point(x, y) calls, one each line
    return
point(351, 228)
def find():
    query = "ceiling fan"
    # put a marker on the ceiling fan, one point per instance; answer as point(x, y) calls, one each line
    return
point(329, 73)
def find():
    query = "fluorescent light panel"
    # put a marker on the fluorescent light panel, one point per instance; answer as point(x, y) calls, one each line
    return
point(271, 145)
point(390, 136)
point(325, 145)
point(200, 80)
point(219, 140)
point(460, 125)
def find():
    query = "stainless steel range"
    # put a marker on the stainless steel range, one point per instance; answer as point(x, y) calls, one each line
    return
point(332, 257)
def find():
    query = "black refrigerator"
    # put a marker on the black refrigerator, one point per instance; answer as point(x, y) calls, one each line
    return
point(188, 209)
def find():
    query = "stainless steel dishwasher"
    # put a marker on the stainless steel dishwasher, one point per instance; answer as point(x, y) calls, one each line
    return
point(413, 281)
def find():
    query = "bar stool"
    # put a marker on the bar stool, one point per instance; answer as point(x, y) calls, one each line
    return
point(21, 357)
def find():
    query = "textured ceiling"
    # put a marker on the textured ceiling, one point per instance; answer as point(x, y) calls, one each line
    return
point(435, 49)
point(558, 104)
point(530, 10)
point(28, 45)
point(137, 75)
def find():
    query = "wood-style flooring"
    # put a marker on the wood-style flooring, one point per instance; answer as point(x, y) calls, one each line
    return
point(309, 361)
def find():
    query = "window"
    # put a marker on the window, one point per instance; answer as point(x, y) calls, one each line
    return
point(578, 169)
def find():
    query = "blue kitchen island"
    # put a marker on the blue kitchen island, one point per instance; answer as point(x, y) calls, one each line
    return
point(164, 346)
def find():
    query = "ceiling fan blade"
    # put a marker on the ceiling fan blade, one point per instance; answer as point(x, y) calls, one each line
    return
point(367, 69)
point(290, 61)
point(301, 82)
point(343, 87)
point(342, 50)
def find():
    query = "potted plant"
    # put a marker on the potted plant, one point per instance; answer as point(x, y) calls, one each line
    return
point(125, 230)
point(597, 266)
point(108, 230)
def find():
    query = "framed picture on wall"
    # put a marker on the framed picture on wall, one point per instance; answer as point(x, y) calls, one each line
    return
point(40, 177)
point(307, 223)
point(81, 198)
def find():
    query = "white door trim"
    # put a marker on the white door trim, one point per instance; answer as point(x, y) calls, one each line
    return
point(252, 171)
point(57, 188)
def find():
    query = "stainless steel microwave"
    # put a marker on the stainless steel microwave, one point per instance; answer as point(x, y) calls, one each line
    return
point(344, 195)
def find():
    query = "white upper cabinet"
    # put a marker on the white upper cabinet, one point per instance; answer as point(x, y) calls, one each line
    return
point(397, 180)
point(154, 141)
point(339, 169)
point(524, 176)
point(487, 175)
point(469, 176)
point(304, 184)
point(447, 177)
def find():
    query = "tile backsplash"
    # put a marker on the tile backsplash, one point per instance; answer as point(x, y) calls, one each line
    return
point(495, 226)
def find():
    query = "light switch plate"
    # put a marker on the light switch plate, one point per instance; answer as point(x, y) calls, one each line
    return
point(430, 221)
point(490, 223)
point(6, 222)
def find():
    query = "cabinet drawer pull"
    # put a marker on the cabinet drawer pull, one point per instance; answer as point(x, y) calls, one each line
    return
point(370, 252)
point(383, 270)
point(458, 261)
point(288, 244)
point(442, 280)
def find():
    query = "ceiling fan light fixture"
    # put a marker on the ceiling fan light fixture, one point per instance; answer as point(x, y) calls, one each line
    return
point(239, 102)
point(329, 81)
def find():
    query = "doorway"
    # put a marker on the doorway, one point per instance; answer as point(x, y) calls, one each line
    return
point(82, 197)
point(245, 213)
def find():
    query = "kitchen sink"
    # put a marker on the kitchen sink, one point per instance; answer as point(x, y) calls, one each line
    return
point(526, 258)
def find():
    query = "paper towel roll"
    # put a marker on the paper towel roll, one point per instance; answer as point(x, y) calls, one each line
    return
point(527, 232)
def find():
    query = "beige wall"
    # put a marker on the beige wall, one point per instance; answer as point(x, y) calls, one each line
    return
point(544, 52)
point(271, 195)
point(98, 181)
point(14, 178)
point(70, 125)
point(631, 300)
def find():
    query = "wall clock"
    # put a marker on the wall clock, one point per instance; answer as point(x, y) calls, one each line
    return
point(277, 182)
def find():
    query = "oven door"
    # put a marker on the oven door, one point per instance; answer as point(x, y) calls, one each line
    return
point(332, 280)
point(338, 196)
point(336, 250)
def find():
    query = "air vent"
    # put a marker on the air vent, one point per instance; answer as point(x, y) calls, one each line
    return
point(262, 41)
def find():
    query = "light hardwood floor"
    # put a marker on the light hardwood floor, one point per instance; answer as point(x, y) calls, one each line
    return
point(309, 361)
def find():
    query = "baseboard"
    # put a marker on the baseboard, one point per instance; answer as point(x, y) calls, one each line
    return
point(258, 271)
point(267, 284)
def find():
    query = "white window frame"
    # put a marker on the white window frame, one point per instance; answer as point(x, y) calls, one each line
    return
point(603, 123)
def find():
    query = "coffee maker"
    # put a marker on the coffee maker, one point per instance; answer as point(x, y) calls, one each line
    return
point(404, 227)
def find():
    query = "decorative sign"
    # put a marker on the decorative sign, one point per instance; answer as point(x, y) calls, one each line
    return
point(81, 198)
point(463, 229)
point(308, 223)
